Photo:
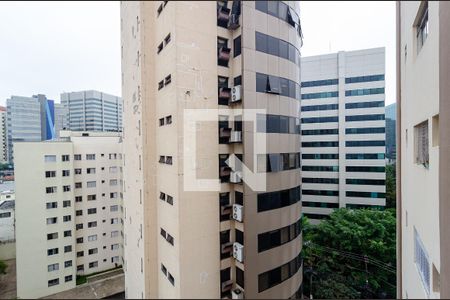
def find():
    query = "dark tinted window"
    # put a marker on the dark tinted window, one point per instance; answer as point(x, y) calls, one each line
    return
point(273, 123)
point(237, 46)
point(261, 82)
point(272, 8)
point(272, 45)
point(261, 42)
point(284, 51)
point(261, 6)
point(240, 277)
point(239, 235)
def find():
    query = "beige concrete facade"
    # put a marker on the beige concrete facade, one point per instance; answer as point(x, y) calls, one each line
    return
point(68, 210)
point(422, 51)
point(172, 61)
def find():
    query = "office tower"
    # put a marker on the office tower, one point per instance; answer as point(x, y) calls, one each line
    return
point(234, 241)
point(3, 145)
point(68, 210)
point(343, 131)
point(29, 119)
point(423, 181)
point(391, 118)
point(93, 111)
point(61, 118)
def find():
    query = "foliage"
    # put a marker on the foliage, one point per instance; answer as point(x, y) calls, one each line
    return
point(5, 166)
point(390, 186)
point(3, 267)
point(335, 250)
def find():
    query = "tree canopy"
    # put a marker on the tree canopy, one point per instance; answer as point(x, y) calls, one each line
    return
point(351, 255)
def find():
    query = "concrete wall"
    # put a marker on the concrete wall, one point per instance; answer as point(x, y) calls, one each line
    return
point(7, 250)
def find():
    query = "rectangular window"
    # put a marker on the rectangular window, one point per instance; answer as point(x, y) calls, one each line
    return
point(421, 141)
point(50, 190)
point(91, 184)
point(50, 158)
point(92, 197)
point(237, 46)
point(67, 264)
point(66, 173)
point(80, 253)
point(115, 247)
point(77, 157)
point(53, 220)
point(93, 264)
point(169, 160)
point(52, 251)
point(53, 282)
point(68, 278)
point(79, 226)
point(78, 212)
point(239, 272)
point(114, 208)
point(113, 170)
point(115, 221)
point(67, 233)
point(92, 211)
point(113, 182)
point(65, 158)
point(92, 238)
point(421, 259)
point(66, 188)
point(67, 249)
point(114, 233)
point(422, 28)
point(90, 170)
point(79, 199)
point(92, 224)
point(77, 171)
point(52, 236)
point(90, 156)
point(66, 203)
point(51, 205)
point(53, 267)
point(67, 218)
point(93, 251)
point(49, 174)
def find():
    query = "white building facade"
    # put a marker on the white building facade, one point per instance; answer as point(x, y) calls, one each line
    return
point(7, 216)
point(69, 210)
point(93, 111)
point(343, 131)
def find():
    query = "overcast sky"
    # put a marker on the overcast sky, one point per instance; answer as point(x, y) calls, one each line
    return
point(51, 48)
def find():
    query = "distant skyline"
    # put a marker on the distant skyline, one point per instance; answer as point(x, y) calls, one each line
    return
point(57, 47)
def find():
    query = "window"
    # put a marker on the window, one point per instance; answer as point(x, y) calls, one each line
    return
point(169, 200)
point(52, 220)
point(50, 190)
point(112, 169)
point(278, 199)
point(276, 276)
point(65, 173)
point(65, 157)
point(115, 247)
point(169, 160)
point(90, 156)
point(78, 198)
point(66, 203)
point(421, 259)
point(365, 156)
point(67, 233)
point(168, 79)
point(78, 185)
point(93, 251)
point(67, 264)
point(90, 171)
point(91, 184)
point(51, 205)
point(278, 237)
point(422, 28)
point(79, 226)
point(92, 238)
point(239, 272)
point(171, 279)
point(93, 264)
point(52, 251)
point(169, 120)
point(49, 174)
point(80, 253)
point(52, 236)
point(114, 208)
point(67, 218)
point(320, 82)
point(53, 282)
point(113, 195)
point(79, 212)
point(66, 188)
point(92, 211)
point(50, 158)
point(92, 197)
point(421, 142)
point(68, 278)
point(115, 221)
point(5, 215)
point(162, 159)
point(77, 157)
point(113, 182)
point(77, 171)
point(163, 269)
point(364, 92)
point(237, 46)
point(92, 224)
point(53, 267)
point(114, 233)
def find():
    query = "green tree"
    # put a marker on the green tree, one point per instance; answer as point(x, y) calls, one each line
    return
point(351, 255)
point(3, 267)
point(391, 201)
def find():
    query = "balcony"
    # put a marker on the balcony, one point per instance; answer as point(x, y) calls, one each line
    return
point(223, 56)
point(224, 95)
point(223, 16)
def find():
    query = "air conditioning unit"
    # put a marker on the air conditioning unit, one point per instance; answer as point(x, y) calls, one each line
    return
point(238, 252)
point(235, 177)
point(236, 94)
point(236, 137)
point(238, 212)
point(237, 294)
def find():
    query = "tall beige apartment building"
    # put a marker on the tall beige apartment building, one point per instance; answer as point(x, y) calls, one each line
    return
point(423, 74)
point(3, 135)
point(233, 242)
point(68, 210)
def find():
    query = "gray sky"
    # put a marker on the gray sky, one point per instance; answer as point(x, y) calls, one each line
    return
point(51, 48)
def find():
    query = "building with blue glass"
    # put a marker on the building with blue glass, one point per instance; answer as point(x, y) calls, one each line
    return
point(343, 132)
point(31, 119)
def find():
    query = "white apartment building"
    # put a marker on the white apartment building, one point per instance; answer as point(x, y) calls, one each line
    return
point(7, 216)
point(343, 131)
point(68, 210)
point(93, 111)
point(423, 131)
